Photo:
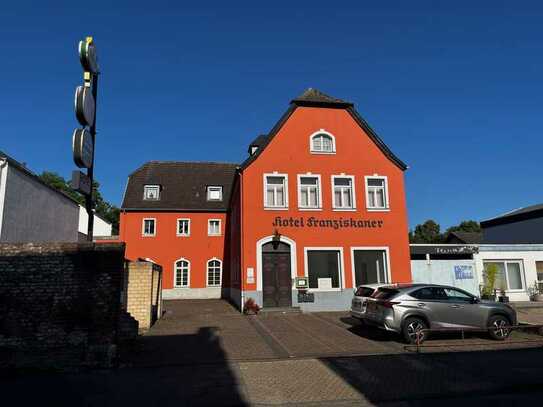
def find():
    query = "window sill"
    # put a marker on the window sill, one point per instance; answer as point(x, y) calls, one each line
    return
point(378, 209)
point(214, 286)
point(324, 290)
point(323, 152)
point(213, 235)
point(309, 209)
point(278, 208)
point(344, 209)
point(148, 235)
point(183, 235)
point(180, 288)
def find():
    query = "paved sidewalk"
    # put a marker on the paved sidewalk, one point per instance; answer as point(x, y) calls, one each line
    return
point(464, 378)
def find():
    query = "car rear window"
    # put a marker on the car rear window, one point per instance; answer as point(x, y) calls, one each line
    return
point(364, 292)
point(385, 293)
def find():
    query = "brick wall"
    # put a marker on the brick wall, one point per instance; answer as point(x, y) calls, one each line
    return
point(144, 292)
point(60, 304)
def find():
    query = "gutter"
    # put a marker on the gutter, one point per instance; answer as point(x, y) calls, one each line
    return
point(3, 182)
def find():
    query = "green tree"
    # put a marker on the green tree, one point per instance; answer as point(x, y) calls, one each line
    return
point(427, 232)
point(103, 208)
point(465, 226)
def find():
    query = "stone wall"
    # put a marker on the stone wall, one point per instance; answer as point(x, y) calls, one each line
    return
point(144, 292)
point(60, 304)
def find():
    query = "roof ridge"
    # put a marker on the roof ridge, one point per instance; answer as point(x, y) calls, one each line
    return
point(189, 162)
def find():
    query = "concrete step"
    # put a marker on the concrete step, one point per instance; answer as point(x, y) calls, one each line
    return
point(281, 310)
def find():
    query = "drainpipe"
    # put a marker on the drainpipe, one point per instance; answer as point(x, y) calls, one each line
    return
point(241, 246)
point(3, 182)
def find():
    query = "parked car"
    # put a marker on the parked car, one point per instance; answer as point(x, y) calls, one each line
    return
point(361, 294)
point(410, 309)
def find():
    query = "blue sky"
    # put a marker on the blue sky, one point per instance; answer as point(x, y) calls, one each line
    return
point(455, 89)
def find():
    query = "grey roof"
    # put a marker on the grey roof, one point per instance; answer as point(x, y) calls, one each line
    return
point(183, 186)
point(528, 212)
point(259, 141)
point(315, 98)
point(465, 237)
point(22, 167)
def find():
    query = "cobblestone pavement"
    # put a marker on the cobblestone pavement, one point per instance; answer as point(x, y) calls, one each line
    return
point(498, 378)
point(205, 331)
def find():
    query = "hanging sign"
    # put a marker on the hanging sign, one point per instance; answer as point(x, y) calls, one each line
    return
point(84, 105)
point(81, 183)
point(83, 148)
point(87, 55)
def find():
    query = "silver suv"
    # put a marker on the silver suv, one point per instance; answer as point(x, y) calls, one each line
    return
point(410, 309)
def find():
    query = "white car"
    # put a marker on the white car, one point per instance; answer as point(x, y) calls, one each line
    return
point(362, 293)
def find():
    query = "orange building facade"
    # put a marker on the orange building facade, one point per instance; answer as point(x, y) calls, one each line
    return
point(317, 209)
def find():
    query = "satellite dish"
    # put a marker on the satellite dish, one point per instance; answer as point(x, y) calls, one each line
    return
point(87, 55)
point(84, 106)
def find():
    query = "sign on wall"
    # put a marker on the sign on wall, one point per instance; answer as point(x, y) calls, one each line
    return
point(463, 272)
point(312, 222)
point(250, 275)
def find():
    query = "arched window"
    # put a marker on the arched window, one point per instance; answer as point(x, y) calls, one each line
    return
point(182, 273)
point(214, 269)
point(323, 142)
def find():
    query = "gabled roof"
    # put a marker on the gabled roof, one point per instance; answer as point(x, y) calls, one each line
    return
point(315, 98)
point(22, 167)
point(259, 141)
point(528, 212)
point(183, 186)
point(465, 237)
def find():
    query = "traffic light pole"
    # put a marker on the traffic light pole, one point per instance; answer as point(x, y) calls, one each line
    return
point(89, 202)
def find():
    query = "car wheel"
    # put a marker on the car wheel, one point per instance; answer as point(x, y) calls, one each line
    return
point(412, 328)
point(497, 327)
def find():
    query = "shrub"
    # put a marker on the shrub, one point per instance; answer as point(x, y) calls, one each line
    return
point(250, 306)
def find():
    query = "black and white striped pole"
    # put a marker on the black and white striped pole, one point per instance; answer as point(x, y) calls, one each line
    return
point(84, 139)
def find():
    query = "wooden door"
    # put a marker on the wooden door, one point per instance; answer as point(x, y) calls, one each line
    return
point(276, 279)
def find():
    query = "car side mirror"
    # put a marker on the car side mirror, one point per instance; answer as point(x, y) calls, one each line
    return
point(474, 300)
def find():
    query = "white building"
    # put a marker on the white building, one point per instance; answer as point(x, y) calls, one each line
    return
point(31, 210)
point(101, 226)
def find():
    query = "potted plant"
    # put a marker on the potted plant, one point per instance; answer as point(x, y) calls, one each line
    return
point(503, 295)
point(250, 307)
point(489, 277)
point(536, 293)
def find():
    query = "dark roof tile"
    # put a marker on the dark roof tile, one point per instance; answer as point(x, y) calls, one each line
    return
point(183, 185)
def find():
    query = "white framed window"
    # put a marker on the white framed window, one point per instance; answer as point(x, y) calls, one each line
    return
point(275, 191)
point(510, 274)
point(309, 191)
point(148, 227)
point(322, 142)
point(214, 271)
point(214, 227)
point(214, 193)
point(539, 271)
point(324, 268)
point(376, 192)
point(343, 192)
point(151, 192)
point(183, 227)
point(181, 273)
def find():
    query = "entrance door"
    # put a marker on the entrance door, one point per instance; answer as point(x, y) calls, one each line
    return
point(276, 279)
point(370, 267)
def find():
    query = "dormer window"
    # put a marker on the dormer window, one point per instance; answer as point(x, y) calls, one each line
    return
point(323, 142)
point(151, 192)
point(214, 193)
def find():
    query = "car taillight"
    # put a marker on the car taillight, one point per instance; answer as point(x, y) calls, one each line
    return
point(387, 304)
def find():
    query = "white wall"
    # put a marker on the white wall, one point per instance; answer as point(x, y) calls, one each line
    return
point(527, 254)
point(442, 272)
point(33, 212)
point(101, 227)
